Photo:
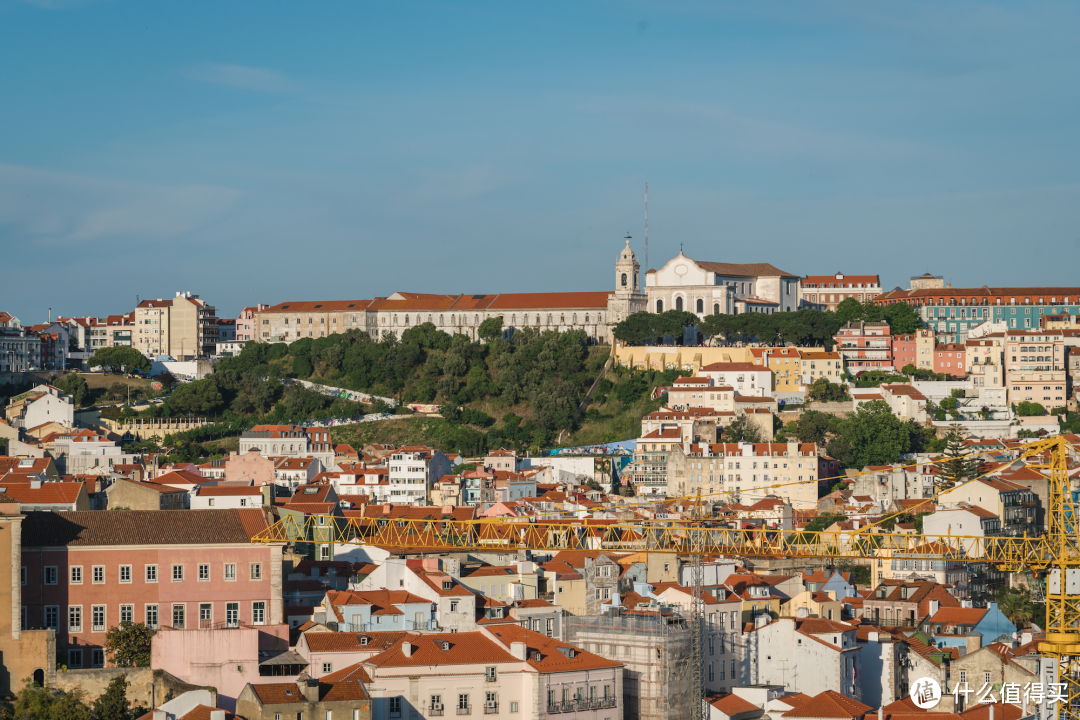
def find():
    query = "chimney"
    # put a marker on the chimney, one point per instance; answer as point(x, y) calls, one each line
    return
point(220, 715)
point(35, 484)
point(615, 600)
point(803, 613)
point(518, 650)
point(974, 642)
point(935, 605)
point(406, 648)
point(311, 690)
point(881, 714)
point(761, 620)
point(430, 564)
point(1025, 637)
point(872, 636)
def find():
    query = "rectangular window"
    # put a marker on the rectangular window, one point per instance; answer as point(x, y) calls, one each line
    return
point(97, 657)
point(178, 617)
point(125, 573)
point(127, 613)
point(230, 571)
point(232, 614)
point(50, 575)
point(436, 702)
point(97, 618)
point(206, 615)
point(98, 574)
point(52, 616)
point(258, 613)
point(151, 573)
point(178, 573)
point(74, 658)
point(152, 616)
point(76, 575)
point(204, 572)
point(256, 571)
point(327, 668)
point(513, 707)
point(395, 707)
point(75, 618)
point(463, 701)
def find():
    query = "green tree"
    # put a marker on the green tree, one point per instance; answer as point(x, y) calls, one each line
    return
point(956, 468)
point(1015, 604)
point(909, 369)
point(113, 703)
point(823, 522)
point(74, 384)
point(201, 397)
point(302, 367)
point(821, 390)
point(119, 358)
point(38, 703)
point(902, 318)
point(1026, 408)
point(849, 310)
point(128, 644)
point(812, 426)
point(872, 435)
point(490, 329)
point(742, 430)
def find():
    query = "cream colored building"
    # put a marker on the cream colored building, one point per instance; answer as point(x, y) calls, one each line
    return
point(1035, 367)
point(183, 326)
point(984, 361)
point(712, 288)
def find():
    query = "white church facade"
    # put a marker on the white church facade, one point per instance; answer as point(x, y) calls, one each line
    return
point(714, 288)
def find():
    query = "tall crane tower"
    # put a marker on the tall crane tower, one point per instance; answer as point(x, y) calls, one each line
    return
point(1055, 554)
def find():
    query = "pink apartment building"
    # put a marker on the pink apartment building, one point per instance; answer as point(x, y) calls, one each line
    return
point(84, 572)
point(245, 323)
point(949, 359)
point(865, 346)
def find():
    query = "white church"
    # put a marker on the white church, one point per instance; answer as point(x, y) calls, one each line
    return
point(700, 287)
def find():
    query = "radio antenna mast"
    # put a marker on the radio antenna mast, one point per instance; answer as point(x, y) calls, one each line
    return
point(646, 227)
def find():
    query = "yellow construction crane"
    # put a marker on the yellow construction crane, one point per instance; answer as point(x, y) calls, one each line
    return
point(1055, 554)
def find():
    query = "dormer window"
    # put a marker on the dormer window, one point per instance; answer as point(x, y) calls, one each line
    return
point(445, 646)
point(364, 640)
point(448, 585)
point(536, 657)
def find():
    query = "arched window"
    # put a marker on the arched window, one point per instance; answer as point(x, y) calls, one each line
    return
point(624, 279)
point(700, 305)
point(441, 320)
point(549, 318)
point(659, 306)
point(716, 309)
point(513, 319)
point(476, 319)
point(562, 319)
point(429, 317)
point(678, 303)
point(537, 318)
point(575, 319)
point(406, 321)
point(586, 318)
point(452, 320)
point(395, 319)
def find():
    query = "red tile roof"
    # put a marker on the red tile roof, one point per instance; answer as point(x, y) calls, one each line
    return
point(829, 704)
point(50, 493)
point(141, 527)
point(731, 704)
point(351, 642)
point(428, 650)
point(554, 655)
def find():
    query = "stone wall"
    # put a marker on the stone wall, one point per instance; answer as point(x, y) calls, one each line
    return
point(146, 687)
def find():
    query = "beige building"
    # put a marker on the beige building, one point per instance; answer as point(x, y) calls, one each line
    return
point(984, 359)
point(184, 327)
point(1035, 367)
point(926, 281)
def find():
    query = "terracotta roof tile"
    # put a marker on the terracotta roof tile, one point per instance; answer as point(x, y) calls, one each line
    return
point(554, 655)
point(829, 704)
point(141, 527)
point(428, 650)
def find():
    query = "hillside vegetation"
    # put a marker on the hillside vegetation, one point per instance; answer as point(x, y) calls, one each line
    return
point(522, 392)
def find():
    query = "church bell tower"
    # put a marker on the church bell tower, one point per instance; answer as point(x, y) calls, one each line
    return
point(627, 298)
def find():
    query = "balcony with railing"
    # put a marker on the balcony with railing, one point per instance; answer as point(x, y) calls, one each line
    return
point(464, 710)
point(435, 711)
point(491, 708)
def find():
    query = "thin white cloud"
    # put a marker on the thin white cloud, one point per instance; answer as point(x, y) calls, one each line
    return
point(49, 207)
point(242, 76)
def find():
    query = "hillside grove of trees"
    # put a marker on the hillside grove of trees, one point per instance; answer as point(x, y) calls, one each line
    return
point(522, 391)
point(804, 327)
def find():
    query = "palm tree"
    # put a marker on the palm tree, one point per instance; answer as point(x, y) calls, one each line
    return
point(1015, 604)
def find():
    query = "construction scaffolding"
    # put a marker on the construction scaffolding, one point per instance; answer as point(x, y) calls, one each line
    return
point(655, 644)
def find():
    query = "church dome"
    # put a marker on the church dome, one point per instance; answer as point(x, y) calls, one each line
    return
point(627, 253)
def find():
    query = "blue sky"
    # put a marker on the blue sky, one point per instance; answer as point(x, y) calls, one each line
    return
point(264, 152)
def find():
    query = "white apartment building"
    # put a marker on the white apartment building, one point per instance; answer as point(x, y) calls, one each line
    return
point(746, 378)
point(215, 497)
point(414, 469)
point(43, 404)
point(184, 327)
point(19, 351)
point(293, 441)
point(805, 655)
point(701, 391)
point(750, 469)
point(85, 452)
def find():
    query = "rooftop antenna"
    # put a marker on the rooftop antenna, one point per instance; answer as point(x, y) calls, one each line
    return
point(646, 227)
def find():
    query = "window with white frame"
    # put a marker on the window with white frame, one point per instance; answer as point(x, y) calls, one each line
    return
point(76, 574)
point(98, 574)
point(127, 613)
point(230, 571)
point(75, 618)
point(151, 573)
point(97, 618)
point(125, 574)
